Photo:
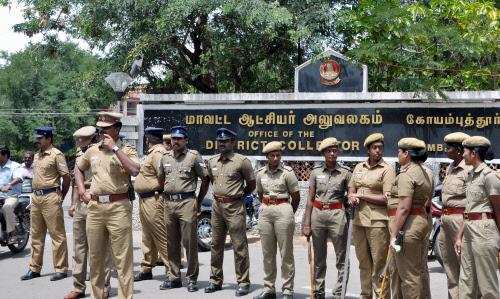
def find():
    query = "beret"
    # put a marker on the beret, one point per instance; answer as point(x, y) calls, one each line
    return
point(411, 143)
point(272, 146)
point(330, 141)
point(225, 134)
point(373, 138)
point(475, 141)
point(108, 118)
point(179, 132)
point(44, 132)
point(456, 137)
point(87, 131)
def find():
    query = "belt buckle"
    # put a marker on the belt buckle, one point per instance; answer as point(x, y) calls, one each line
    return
point(103, 199)
point(175, 197)
point(325, 206)
point(38, 192)
point(466, 216)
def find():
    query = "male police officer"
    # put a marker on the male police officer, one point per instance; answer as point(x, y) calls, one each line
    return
point(49, 167)
point(109, 209)
point(229, 172)
point(181, 168)
point(149, 188)
point(84, 137)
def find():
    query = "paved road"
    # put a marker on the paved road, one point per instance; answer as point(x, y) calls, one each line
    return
point(13, 266)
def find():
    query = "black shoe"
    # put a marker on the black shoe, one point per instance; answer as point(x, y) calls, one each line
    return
point(212, 287)
point(170, 284)
point(58, 276)
point(242, 290)
point(143, 276)
point(267, 294)
point(30, 275)
point(192, 286)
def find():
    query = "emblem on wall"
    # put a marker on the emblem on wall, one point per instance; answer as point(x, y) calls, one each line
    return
point(329, 72)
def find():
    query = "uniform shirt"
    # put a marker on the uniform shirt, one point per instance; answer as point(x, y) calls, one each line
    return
point(26, 175)
point(147, 180)
point(453, 193)
point(331, 185)
point(413, 181)
point(8, 172)
point(278, 183)
point(181, 171)
point(87, 176)
point(228, 174)
point(48, 168)
point(374, 180)
point(107, 172)
point(482, 182)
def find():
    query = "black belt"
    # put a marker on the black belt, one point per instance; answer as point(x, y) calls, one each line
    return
point(148, 194)
point(178, 196)
point(42, 192)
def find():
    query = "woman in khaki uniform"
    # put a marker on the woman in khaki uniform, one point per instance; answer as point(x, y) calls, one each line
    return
point(478, 240)
point(368, 189)
point(410, 223)
point(324, 217)
point(276, 184)
point(453, 195)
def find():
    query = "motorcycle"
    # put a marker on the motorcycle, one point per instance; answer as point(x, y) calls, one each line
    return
point(434, 252)
point(204, 229)
point(22, 214)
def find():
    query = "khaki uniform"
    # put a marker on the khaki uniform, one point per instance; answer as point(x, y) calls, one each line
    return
point(228, 175)
point(408, 272)
point(426, 287)
point(453, 196)
point(154, 235)
point(481, 239)
point(277, 224)
point(181, 177)
point(109, 222)
point(331, 187)
point(80, 244)
point(370, 229)
point(46, 210)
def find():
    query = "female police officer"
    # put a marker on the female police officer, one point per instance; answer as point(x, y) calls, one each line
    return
point(370, 183)
point(478, 239)
point(276, 183)
point(410, 220)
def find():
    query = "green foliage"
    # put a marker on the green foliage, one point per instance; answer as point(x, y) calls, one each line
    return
point(50, 83)
point(424, 45)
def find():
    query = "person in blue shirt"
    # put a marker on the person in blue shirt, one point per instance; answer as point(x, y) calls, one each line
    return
point(9, 189)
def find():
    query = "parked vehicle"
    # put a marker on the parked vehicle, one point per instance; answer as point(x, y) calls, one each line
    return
point(22, 213)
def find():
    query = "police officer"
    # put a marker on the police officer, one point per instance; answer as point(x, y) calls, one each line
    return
point(84, 137)
point(325, 218)
point(276, 184)
point(109, 215)
point(413, 187)
point(49, 167)
point(453, 196)
point(232, 176)
point(478, 240)
point(180, 169)
point(369, 186)
point(149, 188)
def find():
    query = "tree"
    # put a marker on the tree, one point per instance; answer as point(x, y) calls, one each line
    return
point(50, 83)
point(424, 45)
point(192, 45)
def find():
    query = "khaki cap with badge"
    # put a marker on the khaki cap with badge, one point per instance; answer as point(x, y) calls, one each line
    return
point(108, 118)
point(328, 142)
point(373, 138)
point(410, 143)
point(456, 137)
point(272, 147)
point(476, 141)
point(87, 131)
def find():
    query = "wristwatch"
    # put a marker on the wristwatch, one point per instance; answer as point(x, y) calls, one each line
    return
point(115, 149)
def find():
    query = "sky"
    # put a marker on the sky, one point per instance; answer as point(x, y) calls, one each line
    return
point(9, 40)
